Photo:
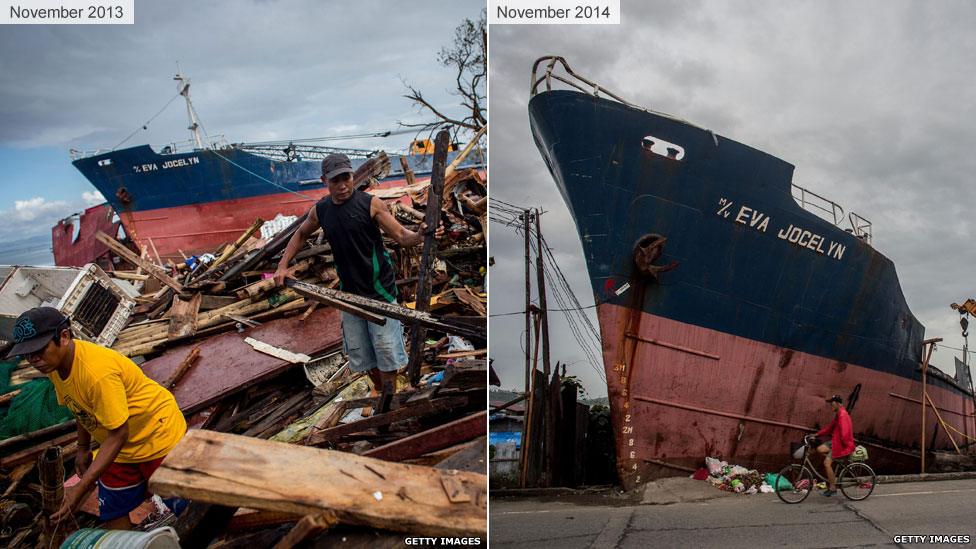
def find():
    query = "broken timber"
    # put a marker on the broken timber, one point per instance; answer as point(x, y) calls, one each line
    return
point(417, 410)
point(127, 254)
point(319, 294)
point(431, 440)
point(432, 217)
point(390, 310)
point(239, 471)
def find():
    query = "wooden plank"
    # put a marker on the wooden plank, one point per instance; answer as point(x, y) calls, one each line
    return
point(431, 440)
point(227, 364)
point(147, 266)
point(432, 215)
point(229, 251)
point(277, 352)
point(308, 527)
point(207, 466)
point(30, 454)
point(311, 291)
point(421, 409)
point(390, 310)
point(472, 457)
point(463, 354)
point(210, 302)
point(175, 378)
point(183, 317)
point(201, 522)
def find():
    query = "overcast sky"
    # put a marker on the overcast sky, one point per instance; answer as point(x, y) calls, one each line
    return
point(260, 70)
point(873, 102)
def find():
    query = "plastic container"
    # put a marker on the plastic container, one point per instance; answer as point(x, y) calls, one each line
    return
point(96, 538)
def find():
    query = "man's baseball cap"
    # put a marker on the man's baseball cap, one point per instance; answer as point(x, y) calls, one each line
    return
point(34, 329)
point(335, 165)
point(836, 398)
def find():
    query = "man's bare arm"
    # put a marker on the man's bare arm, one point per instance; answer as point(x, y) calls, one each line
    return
point(403, 236)
point(304, 231)
point(107, 453)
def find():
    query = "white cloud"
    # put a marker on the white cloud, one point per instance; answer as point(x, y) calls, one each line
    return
point(92, 198)
point(37, 207)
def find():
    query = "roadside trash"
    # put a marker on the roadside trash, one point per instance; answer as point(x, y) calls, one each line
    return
point(731, 478)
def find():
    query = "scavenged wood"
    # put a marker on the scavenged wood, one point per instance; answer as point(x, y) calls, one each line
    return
point(420, 409)
point(431, 440)
point(240, 471)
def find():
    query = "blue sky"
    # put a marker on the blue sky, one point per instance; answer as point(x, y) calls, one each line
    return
point(259, 70)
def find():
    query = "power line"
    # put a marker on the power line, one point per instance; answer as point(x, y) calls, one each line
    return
point(551, 309)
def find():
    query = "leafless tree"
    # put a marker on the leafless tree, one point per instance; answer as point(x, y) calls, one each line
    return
point(467, 57)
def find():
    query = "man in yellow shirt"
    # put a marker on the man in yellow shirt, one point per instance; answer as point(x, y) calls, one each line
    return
point(135, 421)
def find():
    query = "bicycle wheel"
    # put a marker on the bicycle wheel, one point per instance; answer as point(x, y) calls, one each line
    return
point(800, 483)
point(857, 481)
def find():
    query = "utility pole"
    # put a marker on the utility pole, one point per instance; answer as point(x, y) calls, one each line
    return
point(547, 405)
point(528, 302)
point(540, 272)
point(524, 461)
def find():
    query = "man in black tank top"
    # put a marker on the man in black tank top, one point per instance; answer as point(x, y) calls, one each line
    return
point(351, 221)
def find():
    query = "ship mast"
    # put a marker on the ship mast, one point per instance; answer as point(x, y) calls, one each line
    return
point(183, 87)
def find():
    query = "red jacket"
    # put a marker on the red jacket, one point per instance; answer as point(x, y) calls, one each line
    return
point(842, 434)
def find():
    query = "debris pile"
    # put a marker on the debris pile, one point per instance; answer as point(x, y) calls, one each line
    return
point(285, 440)
point(731, 478)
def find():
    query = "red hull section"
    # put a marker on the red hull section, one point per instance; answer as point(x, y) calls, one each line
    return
point(679, 393)
point(202, 228)
point(70, 251)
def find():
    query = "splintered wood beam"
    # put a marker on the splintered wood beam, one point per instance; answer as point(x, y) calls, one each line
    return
point(407, 172)
point(320, 294)
point(420, 409)
point(390, 310)
point(433, 218)
point(181, 369)
point(467, 150)
point(277, 352)
point(183, 317)
point(306, 528)
point(431, 440)
point(229, 251)
point(239, 471)
point(147, 266)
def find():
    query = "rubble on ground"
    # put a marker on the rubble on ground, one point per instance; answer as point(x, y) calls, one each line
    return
point(260, 368)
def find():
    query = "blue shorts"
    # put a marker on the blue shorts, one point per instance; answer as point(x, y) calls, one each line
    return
point(371, 346)
point(123, 487)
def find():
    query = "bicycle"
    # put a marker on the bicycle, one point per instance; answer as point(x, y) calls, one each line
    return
point(855, 479)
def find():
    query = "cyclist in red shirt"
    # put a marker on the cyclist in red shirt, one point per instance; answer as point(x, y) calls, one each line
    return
point(841, 442)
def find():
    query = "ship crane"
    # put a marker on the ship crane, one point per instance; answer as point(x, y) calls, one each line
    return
point(966, 309)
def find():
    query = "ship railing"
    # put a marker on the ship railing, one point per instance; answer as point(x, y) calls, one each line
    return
point(78, 154)
point(295, 152)
point(831, 211)
point(214, 142)
point(585, 85)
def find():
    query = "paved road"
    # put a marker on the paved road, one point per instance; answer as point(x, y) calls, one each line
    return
point(921, 508)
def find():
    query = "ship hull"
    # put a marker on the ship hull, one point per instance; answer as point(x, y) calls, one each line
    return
point(679, 392)
point(205, 227)
point(728, 313)
point(186, 203)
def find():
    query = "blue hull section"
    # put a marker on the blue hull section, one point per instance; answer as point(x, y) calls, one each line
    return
point(746, 258)
point(139, 179)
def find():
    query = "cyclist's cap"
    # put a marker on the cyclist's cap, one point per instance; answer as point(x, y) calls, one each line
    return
point(836, 398)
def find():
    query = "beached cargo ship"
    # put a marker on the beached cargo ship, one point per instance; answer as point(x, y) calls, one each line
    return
point(188, 201)
point(728, 309)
